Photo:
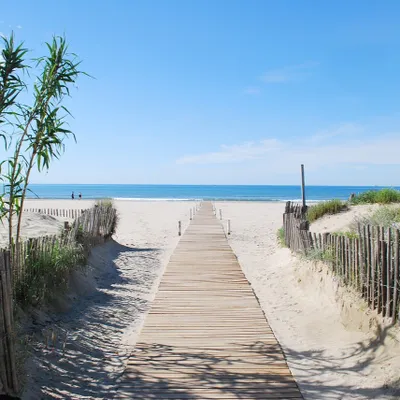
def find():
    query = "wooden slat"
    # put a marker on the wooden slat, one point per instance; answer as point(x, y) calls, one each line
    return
point(206, 336)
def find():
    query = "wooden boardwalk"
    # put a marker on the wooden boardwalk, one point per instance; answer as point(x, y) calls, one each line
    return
point(206, 336)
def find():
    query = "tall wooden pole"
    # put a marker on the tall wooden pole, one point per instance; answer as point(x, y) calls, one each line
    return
point(303, 189)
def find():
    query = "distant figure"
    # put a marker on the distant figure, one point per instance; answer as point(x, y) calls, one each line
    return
point(80, 196)
point(352, 196)
point(72, 196)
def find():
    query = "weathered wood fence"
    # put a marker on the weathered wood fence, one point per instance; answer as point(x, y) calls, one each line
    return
point(21, 266)
point(368, 261)
point(8, 370)
point(55, 212)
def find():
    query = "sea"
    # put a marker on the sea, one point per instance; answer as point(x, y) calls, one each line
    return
point(195, 192)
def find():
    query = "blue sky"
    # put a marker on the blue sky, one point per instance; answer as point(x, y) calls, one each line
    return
point(225, 92)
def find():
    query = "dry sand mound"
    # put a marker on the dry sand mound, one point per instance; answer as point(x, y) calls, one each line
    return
point(33, 225)
point(79, 347)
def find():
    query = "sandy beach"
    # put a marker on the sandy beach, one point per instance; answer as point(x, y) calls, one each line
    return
point(328, 353)
point(100, 319)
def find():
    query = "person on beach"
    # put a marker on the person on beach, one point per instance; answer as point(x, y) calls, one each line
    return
point(72, 196)
point(80, 196)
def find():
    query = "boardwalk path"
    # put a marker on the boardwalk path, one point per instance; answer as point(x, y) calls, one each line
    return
point(206, 336)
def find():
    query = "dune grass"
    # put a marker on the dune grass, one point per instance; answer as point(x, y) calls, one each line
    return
point(383, 196)
point(326, 207)
point(352, 234)
point(47, 273)
point(386, 216)
point(280, 235)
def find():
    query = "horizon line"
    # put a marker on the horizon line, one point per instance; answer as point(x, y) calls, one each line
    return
point(207, 184)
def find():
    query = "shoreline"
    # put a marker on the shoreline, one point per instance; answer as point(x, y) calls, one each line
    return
point(139, 199)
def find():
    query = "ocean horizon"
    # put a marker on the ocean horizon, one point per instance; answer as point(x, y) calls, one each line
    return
point(140, 192)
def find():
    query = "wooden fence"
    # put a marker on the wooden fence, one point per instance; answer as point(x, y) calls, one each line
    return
point(21, 267)
point(367, 261)
point(55, 212)
point(8, 370)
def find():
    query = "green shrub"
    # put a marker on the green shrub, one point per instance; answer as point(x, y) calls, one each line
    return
point(320, 255)
point(349, 234)
point(280, 234)
point(325, 207)
point(383, 196)
point(47, 273)
point(108, 203)
point(385, 216)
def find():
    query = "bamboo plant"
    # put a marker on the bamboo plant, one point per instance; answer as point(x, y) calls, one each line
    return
point(39, 130)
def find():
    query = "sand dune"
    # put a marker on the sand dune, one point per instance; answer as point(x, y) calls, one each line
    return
point(103, 314)
point(330, 357)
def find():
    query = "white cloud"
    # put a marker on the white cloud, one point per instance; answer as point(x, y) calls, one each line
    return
point(286, 156)
point(19, 27)
point(232, 154)
point(252, 90)
point(346, 129)
point(289, 73)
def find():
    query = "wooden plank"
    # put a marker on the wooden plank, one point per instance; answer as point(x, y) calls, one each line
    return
point(389, 272)
point(368, 263)
point(206, 334)
point(384, 277)
point(396, 275)
point(373, 266)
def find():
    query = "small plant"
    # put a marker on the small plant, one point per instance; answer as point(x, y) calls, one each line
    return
point(325, 207)
point(352, 234)
point(316, 254)
point(108, 203)
point(280, 234)
point(386, 216)
point(383, 196)
point(47, 273)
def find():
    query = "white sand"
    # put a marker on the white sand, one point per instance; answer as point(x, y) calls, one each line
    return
point(104, 312)
point(33, 225)
point(329, 357)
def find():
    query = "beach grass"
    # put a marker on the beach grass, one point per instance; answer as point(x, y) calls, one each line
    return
point(326, 207)
point(386, 216)
point(280, 235)
point(383, 196)
point(47, 273)
point(352, 234)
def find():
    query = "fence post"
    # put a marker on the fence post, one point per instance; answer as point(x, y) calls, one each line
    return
point(396, 273)
point(220, 214)
point(229, 226)
point(191, 212)
point(303, 187)
point(7, 344)
point(179, 228)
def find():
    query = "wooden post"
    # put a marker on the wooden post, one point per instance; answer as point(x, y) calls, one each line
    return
point(389, 274)
point(191, 212)
point(396, 273)
point(303, 190)
point(229, 226)
point(8, 322)
point(220, 214)
point(179, 228)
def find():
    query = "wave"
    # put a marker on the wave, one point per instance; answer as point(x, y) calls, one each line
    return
point(152, 199)
point(255, 199)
